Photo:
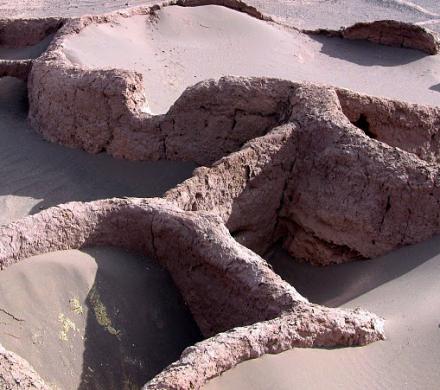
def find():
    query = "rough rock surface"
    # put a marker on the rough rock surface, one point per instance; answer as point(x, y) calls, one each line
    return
point(17, 374)
point(362, 190)
point(410, 127)
point(245, 188)
point(196, 248)
point(367, 197)
point(105, 114)
point(390, 33)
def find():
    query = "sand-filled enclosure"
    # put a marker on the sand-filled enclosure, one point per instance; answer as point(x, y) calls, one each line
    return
point(92, 325)
point(325, 143)
point(178, 46)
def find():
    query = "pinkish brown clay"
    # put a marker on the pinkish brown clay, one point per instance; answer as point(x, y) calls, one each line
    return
point(332, 174)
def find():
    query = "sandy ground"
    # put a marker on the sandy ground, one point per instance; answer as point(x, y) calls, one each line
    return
point(35, 174)
point(402, 287)
point(309, 14)
point(187, 45)
point(98, 319)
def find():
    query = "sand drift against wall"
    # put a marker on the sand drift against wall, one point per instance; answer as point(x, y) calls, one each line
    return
point(333, 175)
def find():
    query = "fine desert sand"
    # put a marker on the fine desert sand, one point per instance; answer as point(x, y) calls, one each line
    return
point(402, 287)
point(182, 46)
point(156, 276)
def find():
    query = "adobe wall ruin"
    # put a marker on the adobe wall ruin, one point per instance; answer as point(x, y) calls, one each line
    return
point(335, 175)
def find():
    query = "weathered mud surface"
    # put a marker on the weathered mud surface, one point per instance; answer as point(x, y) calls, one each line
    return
point(335, 175)
point(362, 190)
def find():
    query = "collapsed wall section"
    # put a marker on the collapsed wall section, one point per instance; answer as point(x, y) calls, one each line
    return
point(410, 127)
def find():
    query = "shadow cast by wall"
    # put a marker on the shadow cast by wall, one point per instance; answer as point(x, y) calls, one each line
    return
point(137, 323)
point(435, 87)
point(366, 53)
point(337, 284)
point(51, 174)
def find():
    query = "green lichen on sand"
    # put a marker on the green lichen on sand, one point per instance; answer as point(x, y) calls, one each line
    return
point(66, 325)
point(76, 306)
point(101, 314)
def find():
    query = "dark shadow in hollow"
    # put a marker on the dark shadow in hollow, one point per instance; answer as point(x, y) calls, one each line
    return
point(27, 52)
point(337, 284)
point(137, 323)
point(366, 53)
point(363, 124)
point(53, 174)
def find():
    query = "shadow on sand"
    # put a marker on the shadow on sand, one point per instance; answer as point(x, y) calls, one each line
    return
point(366, 53)
point(435, 87)
point(51, 174)
point(337, 284)
point(137, 323)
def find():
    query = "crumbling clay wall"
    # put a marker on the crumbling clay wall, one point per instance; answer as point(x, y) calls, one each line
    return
point(336, 175)
point(105, 113)
point(245, 188)
point(394, 33)
point(410, 127)
point(213, 119)
point(237, 5)
point(213, 272)
point(305, 327)
point(27, 32)
point(19, 68)
point(351, 196)
point(225, 284)
point(332, 192)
